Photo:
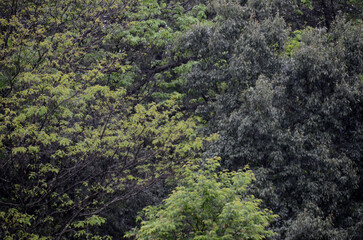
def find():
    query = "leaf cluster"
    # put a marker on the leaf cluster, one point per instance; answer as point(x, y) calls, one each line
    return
point(207, 205)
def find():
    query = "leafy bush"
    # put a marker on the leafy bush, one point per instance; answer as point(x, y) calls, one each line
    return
point(207, 205)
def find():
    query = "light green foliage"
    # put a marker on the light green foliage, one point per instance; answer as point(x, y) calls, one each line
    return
point(12, 218)
point(89, 136)
point(72, 142)
point(307, 3)
point(293, 43)
point(207, 205)
point(148, 38)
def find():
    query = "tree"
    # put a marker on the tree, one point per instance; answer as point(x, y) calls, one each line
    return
point(300, 14)
point(300, 130)
point(207, 205)
point(147, 40)
point(92, 152)
point(74, 141)
point(287, 103)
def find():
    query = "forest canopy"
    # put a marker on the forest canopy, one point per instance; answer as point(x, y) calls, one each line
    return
point(109, 107)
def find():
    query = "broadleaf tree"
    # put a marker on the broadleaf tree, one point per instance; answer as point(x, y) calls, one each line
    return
point(207, 205)
point(74, 140)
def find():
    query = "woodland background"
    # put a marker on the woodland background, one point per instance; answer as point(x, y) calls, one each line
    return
point(110, 106)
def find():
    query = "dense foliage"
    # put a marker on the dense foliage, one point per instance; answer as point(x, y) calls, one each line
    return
point(289, 104)
point(107, 105)
point(74, 141)
point(207, 205)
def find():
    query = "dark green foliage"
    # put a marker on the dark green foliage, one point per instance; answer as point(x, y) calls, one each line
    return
point(297, 122)
point(290, 105)
point(308, 227)
point(315, 13)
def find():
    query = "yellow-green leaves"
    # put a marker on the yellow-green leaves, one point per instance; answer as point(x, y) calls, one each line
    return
point(207, 205)
point(13, 218)
point(83, 146)
point(73, 141)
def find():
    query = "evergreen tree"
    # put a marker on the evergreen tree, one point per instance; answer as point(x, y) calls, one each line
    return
point(288, 103)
